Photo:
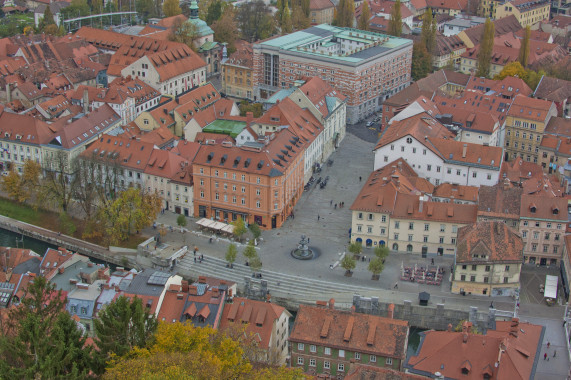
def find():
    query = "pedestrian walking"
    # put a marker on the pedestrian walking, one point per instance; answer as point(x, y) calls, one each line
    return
point(432, 261)
point(331, 203)
point(548, 344)
point(195, 259)
point(545, 356)
point(555, 353)
point(564, 323)
point(343, 203)
point(396, 285)
point(318, 217)
point(335, 206)
point(308, 240)
point(360, 178)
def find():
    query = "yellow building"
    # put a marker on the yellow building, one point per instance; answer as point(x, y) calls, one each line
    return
point(322, 11)
point(390, 212)
point(524, 126)
point(237, 72)
point(489, 256)
point(527, 12)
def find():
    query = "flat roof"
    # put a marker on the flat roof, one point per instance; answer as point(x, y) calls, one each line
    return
point(226, 127)
point(325, 32)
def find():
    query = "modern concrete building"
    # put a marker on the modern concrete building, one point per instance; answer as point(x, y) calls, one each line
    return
point(366, 67)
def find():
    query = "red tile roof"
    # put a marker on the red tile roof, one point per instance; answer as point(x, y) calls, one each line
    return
point(494, 240)
point(128, 153)
point(260, 317)
point(543, 207)
point(317, 5)
point(459, 5)
point(369, 372)
point(459, 192)
point(350, 331)
point(166, 164)
point(317, 90)
point(509, 352)
point(499, 201)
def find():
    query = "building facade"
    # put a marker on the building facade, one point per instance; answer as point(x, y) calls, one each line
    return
point(528, 12)
point(366, 67)
point(237, 77)
point(325, 341)
point(257, 182)
point(489, 256)
point(524, 125)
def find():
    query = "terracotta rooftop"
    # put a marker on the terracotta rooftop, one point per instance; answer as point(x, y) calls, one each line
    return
point(559, 144)
point(320, 4)
point(244, 54)
point(418, 126)
point(382, 7)
point(558, 126)
point(369, 372)
point(529, 108)
point(557, 90)
point(499, 201)
point(260, 317)
point(510, 352)
point(456, 192)
point(489, 241)
point(543, 207)
point(459, 5)
point(128, 153)
point(166, 164)
point(271, 161)
point(317, 91)
point(501, 26)
point(350, 331)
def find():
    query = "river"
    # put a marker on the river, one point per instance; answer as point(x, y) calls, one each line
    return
point(11, 239)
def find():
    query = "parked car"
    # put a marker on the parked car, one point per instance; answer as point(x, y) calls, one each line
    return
point(369, 123)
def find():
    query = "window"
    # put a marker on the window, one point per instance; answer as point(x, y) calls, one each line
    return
point(370, 217)
point(429, 167)
point(300, 347)
point(506, 279)
point(396, 236)
point(410, 237)
point(326, 365)
point(370, 229)
point(360, 215)
point(458, 172)
point(373, 358)
point(487, 269)
point(389, 361)
point(312, 362)
point(426, 226)
point(441, 239)
point(341, 367)
point(442, 228)
point(411, 226)
point(384, 218)
point(357, 356)
point(425, 238)
point(299, 360)
point(327, 351)
point(341, 353)
point(463, 277)
point(472, 278)
point(507, 268)
point(397, 224)
point(474, 267)
point(485, 280)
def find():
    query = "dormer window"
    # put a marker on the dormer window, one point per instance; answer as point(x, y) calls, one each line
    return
point(555, 211)
point(532, 209)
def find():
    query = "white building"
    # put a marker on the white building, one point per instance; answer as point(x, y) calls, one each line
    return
point(429, 147)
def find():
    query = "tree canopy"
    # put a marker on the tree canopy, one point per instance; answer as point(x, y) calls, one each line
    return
point(255, 20)
point(395, 22)
point(524, 47)
point(171, 8)
point(421, 61)
point(345, 14)
point(486, 48)
point(363, 23)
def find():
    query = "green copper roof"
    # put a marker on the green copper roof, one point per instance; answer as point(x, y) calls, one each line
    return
point(209, 45)
point(326, 37)
point(225, 127)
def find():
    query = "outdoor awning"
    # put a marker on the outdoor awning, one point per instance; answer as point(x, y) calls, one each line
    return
point(551, 287)
point(204, 222)
point(217, 225)
point(228, 228)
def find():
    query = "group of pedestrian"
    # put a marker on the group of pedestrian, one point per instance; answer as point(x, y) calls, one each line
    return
point(545, 356)
point(341, 204)
point(199, 258)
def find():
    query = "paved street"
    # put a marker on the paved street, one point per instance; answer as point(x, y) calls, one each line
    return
point(314, 280)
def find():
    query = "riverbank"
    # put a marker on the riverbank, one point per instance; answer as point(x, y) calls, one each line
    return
point(69, 242)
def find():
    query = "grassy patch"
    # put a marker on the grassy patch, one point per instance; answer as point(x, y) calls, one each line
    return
point(51, 221)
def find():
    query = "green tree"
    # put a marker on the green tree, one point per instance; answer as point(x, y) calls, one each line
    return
point(286, 20)
point(26, 186)
point(473, 329)
point(356, 248)
point(181, 221)
point(524, 47)
point(40, 340)
point(250, 250)
point(255, 230)
point(376, 266)
point(532, 78)
point(381, 252)
point(486, 48)
point(299, 20)
point(256, 21)
point(123, 325)
point(231, 254)
point(239, 228)
point(12, 184)
point(395, 22)
point(279, 12)
point(57, 188)
point(171, 8)
point(426, 31)
point(226, 29)
point(421, 61)
point(184, 32)
point(255, 263)
point(255, 108)
point(365, 16)
point(214, 12)
point(131, 211)
point(345, 13)
point(348, 263)
point(48, 19)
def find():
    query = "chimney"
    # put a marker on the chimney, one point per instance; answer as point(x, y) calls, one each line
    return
point(8, 93)
point(391, 311)
point(506, 184)
point(61, 270)
point(85, 101)
point(249, 118)
point(449, 329)
point(466, 327)
point(464, 149)
point(332, 303)
point(201, 280)
point(420, 203)
point(514, 327)
point(184, 285)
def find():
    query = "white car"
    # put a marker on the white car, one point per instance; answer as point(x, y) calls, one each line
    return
point(369, 123)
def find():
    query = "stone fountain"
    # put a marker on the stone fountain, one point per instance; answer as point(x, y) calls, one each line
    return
point(303, 252)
